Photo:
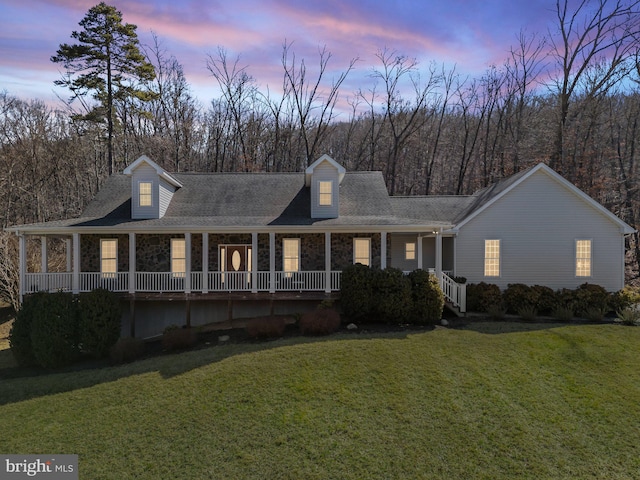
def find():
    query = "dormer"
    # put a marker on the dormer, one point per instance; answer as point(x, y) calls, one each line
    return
point(151, 188)
point(324, 177)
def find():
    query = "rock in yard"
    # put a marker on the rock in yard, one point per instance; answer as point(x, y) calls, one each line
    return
point(224, 338)
point(444, 322)
point(352, 326)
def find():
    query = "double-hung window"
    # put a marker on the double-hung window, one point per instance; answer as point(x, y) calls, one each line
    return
point(145, 194)
point(178, 257)
point(583, 258)
point(492, 258)
point(108, 257)
point(362, 251)
point(325, 193)
point(291, 254)
point(410, 251)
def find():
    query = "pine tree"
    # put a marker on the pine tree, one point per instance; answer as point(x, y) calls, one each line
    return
point(107, 62)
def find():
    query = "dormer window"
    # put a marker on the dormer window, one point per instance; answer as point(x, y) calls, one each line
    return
point(152, 189)
point(146, 194)
point(325, 193)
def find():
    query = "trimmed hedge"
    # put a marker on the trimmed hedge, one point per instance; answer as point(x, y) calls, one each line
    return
point(20, 335)
point(356, 293)
point(588, 300)
point(54, 330)
point(483, 296)
point(390, 296)
point(426, 296)
point(99, 323)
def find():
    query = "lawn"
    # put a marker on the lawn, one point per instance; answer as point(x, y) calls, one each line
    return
point(547, 401)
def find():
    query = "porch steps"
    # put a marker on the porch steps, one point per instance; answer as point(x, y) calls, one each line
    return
point(454, 308)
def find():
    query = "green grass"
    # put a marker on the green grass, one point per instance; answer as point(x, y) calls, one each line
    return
point(549, 402)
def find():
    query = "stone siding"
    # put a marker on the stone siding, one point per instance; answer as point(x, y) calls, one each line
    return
point(90, 252)
point(342, 249)
point(153, 251)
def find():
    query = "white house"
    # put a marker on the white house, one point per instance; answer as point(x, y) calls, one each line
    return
point(205, 246)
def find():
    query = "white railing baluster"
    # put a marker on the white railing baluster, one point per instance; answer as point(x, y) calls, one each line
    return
point(174, 282)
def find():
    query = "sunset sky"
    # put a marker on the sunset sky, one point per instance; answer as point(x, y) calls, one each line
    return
point(468, 33)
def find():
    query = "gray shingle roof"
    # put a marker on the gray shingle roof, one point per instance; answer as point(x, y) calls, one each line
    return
point(268, 199)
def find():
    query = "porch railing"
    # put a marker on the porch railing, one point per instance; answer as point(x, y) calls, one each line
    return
point(116, 282)
point(314, 281)
point(48, 282)
point(455, 292)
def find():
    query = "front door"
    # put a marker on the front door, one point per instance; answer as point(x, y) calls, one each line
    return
point(235, 263)
point(236, 258)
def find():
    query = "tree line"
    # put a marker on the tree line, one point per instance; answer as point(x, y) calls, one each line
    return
point(569, 97)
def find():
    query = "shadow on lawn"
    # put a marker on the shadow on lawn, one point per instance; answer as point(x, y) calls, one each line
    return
point(19, 384)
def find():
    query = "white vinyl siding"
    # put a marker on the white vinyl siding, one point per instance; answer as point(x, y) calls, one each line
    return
point(291, 254)
point(144, 175)
point(151, 194)
point(538, 224)
point(108, 257)
point(362, 251)
point(324, 176)
point(178, 257)
point(583, 258)
point(165, 193)
point(492, 258)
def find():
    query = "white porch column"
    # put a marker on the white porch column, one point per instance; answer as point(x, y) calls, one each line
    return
point(383, 250)
point(67, 249)
point(205, 262)
point(22, 261)
point(439, 253)
point(76, 263)
point(272, 262)
point(132, 262)
point(44, 261)
point(187, 261)
point(327, 262)
point(254, 262)
point(419, 250)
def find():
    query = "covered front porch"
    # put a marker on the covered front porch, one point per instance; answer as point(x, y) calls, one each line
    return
point(203, 262)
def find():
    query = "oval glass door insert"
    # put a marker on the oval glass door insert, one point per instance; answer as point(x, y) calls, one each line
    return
point(236, 260)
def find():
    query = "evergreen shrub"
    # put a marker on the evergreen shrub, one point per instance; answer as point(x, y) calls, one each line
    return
point(100, 321)
point(427, 297)
point(20, 335)
point(392, 295)
point(54, 330)
point(481, 296)
point(356, 292)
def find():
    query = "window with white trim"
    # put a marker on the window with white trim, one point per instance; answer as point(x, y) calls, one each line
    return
point(325, 193)
point(145, 194)
point(410, 251)
point(492, 258)
point(291, 254)
point(178, 257)
point(583, 258)
point(362, 251)
point(108, 257)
